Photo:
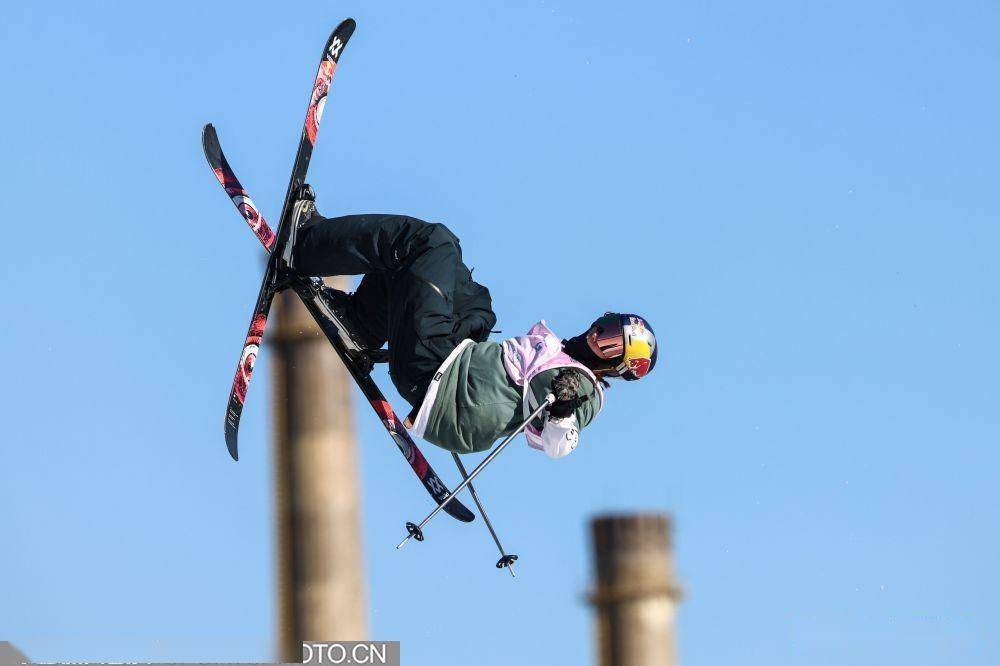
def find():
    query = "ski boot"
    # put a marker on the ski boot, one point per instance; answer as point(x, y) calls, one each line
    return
point(303, 209)
point(357, 341)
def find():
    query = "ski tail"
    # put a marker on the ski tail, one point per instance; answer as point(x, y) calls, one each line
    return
point(244, 370)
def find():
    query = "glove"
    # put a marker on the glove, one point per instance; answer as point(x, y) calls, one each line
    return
point(473, 327)
point(565, 386)
point(560, 436)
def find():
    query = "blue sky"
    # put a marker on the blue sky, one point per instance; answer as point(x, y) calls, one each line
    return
point(800, 195)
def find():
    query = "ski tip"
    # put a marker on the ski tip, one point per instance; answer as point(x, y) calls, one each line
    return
point(342, 33)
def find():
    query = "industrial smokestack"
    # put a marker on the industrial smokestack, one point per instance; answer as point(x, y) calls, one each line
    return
point(321, 591)
point(10, 655)
point(635, 592)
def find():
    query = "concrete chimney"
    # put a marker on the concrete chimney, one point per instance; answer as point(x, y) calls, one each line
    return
point(321, 591)
point(635, 591)
point(10, 655)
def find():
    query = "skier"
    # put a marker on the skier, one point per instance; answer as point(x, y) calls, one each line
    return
point(419, 296)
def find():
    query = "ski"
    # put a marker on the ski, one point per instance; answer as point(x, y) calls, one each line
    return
point(332, 51)
point(311, 292)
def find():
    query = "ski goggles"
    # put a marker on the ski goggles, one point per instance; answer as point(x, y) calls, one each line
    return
point(607, 338)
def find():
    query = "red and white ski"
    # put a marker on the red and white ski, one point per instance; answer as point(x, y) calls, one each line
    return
point(274, 240)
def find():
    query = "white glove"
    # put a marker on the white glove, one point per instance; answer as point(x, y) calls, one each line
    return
point(559, 436)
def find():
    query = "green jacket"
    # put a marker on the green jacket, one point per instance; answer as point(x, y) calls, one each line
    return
point(477, 403)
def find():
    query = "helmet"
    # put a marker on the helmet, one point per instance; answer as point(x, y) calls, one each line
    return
point(627, 342)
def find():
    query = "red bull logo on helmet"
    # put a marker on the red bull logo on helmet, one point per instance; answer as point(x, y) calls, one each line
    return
point(638, 366)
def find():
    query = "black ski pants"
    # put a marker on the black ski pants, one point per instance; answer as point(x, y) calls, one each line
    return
point(416, 293)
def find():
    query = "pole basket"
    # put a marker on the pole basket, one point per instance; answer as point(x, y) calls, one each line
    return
point(417, 533)
point(506, 561)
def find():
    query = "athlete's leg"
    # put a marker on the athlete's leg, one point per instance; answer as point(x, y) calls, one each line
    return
point(419, 265)
point(369, 306)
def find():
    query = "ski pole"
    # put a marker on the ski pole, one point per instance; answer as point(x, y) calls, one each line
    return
point(416, 531)
point(505, 559)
